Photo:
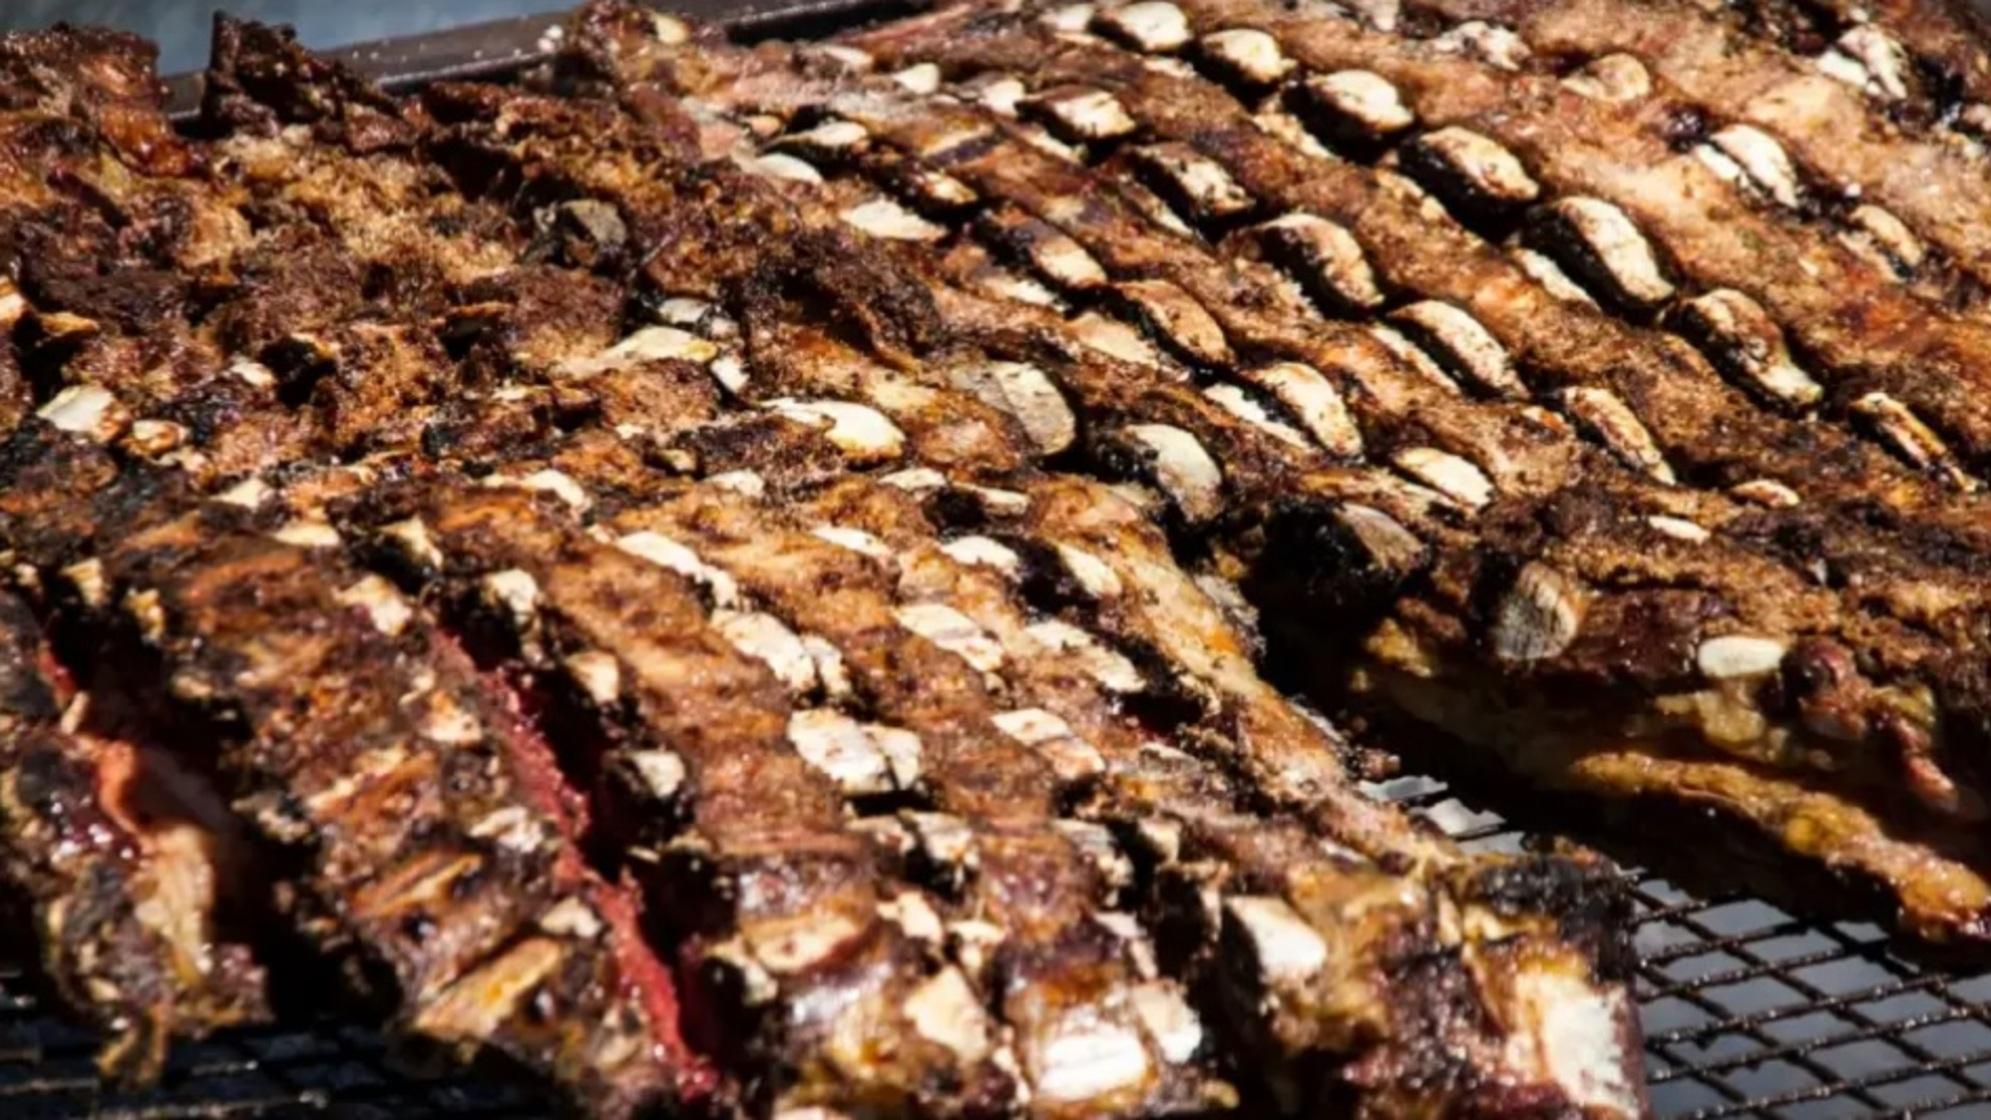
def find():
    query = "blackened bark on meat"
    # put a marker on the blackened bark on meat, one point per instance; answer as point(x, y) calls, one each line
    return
point(429, 838)
point(99, 78)
point(1530, 626)
point(583, 305)
point(125, 858)
point(753, 872)
point(259, 80)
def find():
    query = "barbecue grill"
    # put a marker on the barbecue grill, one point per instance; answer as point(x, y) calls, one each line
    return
point(1748, 1010)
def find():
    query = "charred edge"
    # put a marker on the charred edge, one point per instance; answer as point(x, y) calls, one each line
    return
point(165, 754)
point(1734, 856)
point(576, 746)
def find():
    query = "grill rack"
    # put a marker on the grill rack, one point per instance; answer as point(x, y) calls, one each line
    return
point(1747, 1009)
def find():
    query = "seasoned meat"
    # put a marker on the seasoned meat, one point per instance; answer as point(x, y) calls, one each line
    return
point(1790, 131)
point(125, 856)
point(1630, 213)
point(1572, 557)
point(669, 624)
point(434, 838)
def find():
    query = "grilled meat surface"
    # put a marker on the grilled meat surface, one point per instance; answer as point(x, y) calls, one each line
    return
point(731, 575)
point(124, 857)
point(627, 620)
point(1574, 502)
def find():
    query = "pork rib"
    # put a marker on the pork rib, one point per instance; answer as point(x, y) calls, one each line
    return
point(124, 858)
point(774, 751)
point(432, 846)
point(1598, 512)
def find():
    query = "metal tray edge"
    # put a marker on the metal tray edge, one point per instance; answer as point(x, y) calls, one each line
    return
point(499, 47)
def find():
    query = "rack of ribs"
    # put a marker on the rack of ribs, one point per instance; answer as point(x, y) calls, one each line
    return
point(633, 626)
point(123, 856)
point(1575, 496)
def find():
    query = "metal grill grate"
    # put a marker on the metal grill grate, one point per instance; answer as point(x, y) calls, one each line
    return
point(1748, 1011)
point(327, 1069)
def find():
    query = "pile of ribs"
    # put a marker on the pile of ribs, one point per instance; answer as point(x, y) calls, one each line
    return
point(735, 578)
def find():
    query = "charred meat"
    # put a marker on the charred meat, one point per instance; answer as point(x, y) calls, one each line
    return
point(1579, 498)
point(636, 627)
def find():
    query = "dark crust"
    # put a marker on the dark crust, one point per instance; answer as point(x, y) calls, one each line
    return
point(100, 78)
point(372, 314)
point(259, 79)
point(1637, 640)
point(73, 841)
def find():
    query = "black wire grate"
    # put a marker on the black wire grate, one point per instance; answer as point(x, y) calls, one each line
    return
point(327, 1069)
point(1748, 1011)
point(1751, 1011)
